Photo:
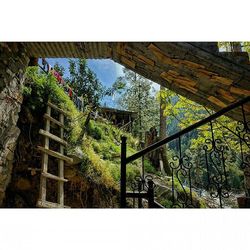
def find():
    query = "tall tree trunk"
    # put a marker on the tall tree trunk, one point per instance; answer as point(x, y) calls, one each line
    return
point(236, 47)
point(162, 135)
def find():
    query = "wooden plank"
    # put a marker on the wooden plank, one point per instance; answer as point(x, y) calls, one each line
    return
point(47, 117)
point(121, 48)
point(55, 154)
point(181, 80)
point(57, 108)
point(48, 204)
point(60, 197)
point(146, 60)
point(226, 95)
point(191, 64)
point(216, 101)
point(188, 88)
point(54, 177)
point(53, 137)
point(128, 62)
point(240, 91)
point(222, 80)
point(161, 56)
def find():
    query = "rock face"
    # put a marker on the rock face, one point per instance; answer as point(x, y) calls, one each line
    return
point(13, 61)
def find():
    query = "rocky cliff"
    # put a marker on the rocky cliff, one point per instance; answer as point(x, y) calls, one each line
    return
point(13, 61)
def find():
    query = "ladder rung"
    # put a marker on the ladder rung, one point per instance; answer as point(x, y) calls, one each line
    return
point(57, 108)
point(53, 137)
point(54, 177)
point(48, 117)
point(48, 204)
point(55, 154)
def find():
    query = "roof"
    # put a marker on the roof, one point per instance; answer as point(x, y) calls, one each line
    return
point(195, 70)
point(113, 110)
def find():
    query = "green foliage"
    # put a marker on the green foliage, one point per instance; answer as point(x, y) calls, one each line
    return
point(59, 68)
point(100, 145)
point(86, 84)
point(183, 194)
point(138, 96)
point(149, 168)
point(182, 113)
point(94, 131)
point(229, 46)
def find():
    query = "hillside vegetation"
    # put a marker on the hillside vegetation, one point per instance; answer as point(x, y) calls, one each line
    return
point(98, 142)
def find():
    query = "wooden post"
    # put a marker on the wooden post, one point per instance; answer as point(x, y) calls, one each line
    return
point(60, 194)
point(45, 159)
point(123, 172)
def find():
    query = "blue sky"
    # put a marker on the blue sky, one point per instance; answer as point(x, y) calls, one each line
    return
point(106, 70)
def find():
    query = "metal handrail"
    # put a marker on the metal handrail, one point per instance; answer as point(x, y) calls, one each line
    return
point(186, 130)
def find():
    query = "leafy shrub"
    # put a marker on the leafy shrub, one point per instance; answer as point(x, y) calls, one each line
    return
point(94, 131)
point(149, 168)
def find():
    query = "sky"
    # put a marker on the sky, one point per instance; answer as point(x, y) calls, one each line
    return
point(107, 72)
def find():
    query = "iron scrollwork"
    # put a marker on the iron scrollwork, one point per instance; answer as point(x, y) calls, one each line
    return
point(243, 132)
point(181, 169)
point(216, 167)
point(141, 184)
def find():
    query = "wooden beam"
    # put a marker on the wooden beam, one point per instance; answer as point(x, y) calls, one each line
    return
point(54, 177)
point(60, 188)
point(53, 137)
point(57, 108)
point(47, 117)
point(55, 154)
point(45, 159)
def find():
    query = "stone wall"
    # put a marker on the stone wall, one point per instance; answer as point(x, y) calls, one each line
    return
point(13, 61)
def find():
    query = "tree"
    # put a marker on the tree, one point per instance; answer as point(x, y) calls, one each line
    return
point(86, 84)
point(59, 68)
point(139, 96)
point(235, 46)
point(185, 113)
point(163, 133)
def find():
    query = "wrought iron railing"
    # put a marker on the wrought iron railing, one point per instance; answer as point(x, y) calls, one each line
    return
point(183, 169)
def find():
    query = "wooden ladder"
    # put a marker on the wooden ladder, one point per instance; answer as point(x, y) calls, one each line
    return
point(46, 152)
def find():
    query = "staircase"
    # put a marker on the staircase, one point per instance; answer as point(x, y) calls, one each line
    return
point(46, 152)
